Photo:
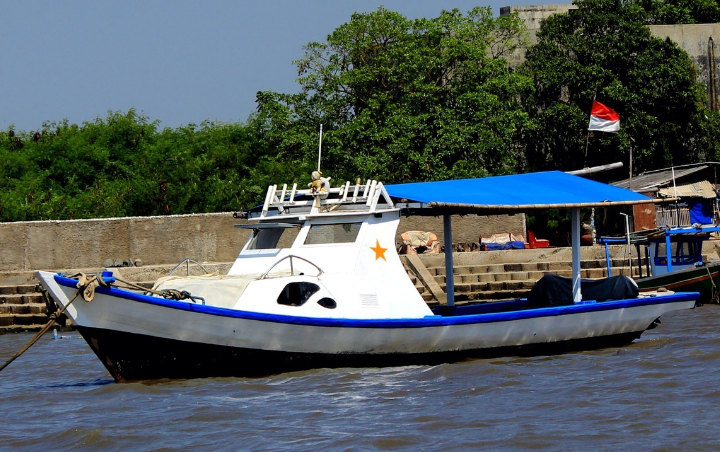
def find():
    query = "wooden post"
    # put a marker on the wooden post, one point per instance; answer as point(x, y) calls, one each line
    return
point(575, 220)
point(449, 275)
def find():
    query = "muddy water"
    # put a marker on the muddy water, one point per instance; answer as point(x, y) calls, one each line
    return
point(660, 393)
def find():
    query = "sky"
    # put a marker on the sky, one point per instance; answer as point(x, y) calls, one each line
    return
point(177, 62)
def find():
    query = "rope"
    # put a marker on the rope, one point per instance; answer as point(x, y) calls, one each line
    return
point(132, 285)
point(87, 289)
point(714, 294)
point(171, 294)
point(175, 294)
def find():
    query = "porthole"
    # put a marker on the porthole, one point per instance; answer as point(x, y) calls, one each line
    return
point(328, 303)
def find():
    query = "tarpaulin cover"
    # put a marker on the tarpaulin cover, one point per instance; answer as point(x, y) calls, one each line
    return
point(513, 244)
point(700, 211)
point(537, 190)
point(554, 290)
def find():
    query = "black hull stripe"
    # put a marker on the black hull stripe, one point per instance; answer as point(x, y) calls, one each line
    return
point(132, 357)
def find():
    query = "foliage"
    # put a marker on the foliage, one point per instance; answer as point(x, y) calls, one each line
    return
point(122, 165)
point(680, 11)
point(408, 100)
point(602, 50)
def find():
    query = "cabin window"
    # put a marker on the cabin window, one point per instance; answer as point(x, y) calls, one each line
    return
point(272, 238)
point(332, 233)
point(297, 293)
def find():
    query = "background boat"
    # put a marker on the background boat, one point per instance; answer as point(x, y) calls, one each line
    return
point(683, 268)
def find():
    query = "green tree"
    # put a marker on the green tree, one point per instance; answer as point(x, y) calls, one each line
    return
point(603, 50)
point(680, 11)
point(122, 165)
point(407, 100)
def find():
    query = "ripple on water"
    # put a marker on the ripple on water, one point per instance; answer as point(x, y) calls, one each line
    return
point(660, 392)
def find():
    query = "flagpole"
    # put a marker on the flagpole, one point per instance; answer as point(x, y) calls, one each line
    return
point(320, 148)
point(587, 136)
point(630, 182)
point(587, 142)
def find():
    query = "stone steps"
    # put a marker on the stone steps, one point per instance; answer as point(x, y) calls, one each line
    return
point(30, 308)
point(22, 308)
point(17, 289)
point(534, 276)
point(504, 281)
point(528, 267)
point(23, 298)
point(23, 322)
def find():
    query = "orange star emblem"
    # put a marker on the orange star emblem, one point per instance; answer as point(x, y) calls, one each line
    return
point(379, 251)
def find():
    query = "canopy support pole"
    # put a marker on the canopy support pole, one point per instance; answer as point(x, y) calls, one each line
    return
point(449, 275)
point(575, 220)
point(668, 252)
point(607, 260)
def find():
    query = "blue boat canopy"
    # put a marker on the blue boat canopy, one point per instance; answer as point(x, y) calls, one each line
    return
point(543, 190)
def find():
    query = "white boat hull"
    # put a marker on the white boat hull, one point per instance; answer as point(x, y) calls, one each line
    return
point(140, 337)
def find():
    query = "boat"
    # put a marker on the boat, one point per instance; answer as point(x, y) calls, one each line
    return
point(319, 283)
point(683, 268)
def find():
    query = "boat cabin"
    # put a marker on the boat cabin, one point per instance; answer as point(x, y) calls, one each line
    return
point(327, 253)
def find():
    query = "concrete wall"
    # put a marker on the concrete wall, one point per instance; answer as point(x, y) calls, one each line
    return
point(533, 15)
point(56, 245)
point(698, 41)
point(88, 243)
point(466, 228)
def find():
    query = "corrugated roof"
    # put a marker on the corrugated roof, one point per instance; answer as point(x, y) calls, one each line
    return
point(550, 189)
point(702, 189)
point(657, 179)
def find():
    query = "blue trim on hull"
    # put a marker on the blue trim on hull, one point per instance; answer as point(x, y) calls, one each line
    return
point(462, 315)
point(131, 357)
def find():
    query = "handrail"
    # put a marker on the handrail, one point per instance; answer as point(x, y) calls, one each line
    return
point(365, 197)
point(187, 261)
point(292, 271)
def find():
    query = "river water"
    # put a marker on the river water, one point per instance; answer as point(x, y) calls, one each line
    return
point(660, 393)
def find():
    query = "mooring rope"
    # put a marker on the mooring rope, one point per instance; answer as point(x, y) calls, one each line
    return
point(171, 294)
point(86, 287)
point(714, 293)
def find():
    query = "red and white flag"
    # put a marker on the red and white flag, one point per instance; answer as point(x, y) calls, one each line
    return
point(603, 118)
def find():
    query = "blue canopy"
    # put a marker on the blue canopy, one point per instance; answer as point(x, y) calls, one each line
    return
point(550, 189)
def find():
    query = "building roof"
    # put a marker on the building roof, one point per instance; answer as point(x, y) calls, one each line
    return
point(653, 180)
point(702, 189)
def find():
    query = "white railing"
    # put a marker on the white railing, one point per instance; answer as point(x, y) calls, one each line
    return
point(290, 257)
point(367, 195)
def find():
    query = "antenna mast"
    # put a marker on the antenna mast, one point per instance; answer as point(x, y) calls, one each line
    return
point(320, 148)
